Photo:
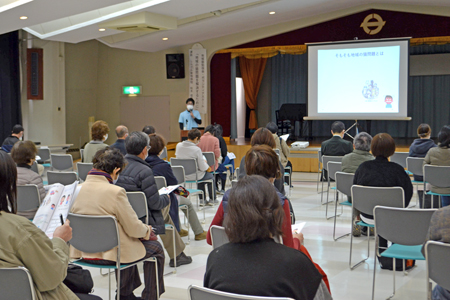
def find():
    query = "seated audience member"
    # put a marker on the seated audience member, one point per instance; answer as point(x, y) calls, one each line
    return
point(24, 155)
point(380, 172)
point(99, 196)
point(16, 135)
point(121, 133)
point(254, 217)
point(162, 168)
point(281, 146)
point(218, 131)
point(262, 136)
point(439, 231)
point(209, 143)
point(336, 146)
point(440, 156)
point(419, 148)
point(149, 129)
point(99, 133)
point(23, 244)
point(189, 149)
point(138, 177)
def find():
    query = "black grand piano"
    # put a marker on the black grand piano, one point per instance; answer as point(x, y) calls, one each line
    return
point(287, 116)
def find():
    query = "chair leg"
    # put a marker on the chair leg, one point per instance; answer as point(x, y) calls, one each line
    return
point(393, 277)
point(374, 272)
point(351, 248)
point(109, 284)
point(188, 226)
point(174, 252)
point(156, 277)
point(118, 280)
point(334, 228)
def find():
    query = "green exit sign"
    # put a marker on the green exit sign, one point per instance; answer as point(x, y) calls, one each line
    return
point(132, 90)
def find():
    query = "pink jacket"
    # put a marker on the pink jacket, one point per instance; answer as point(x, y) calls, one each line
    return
point(209, 143)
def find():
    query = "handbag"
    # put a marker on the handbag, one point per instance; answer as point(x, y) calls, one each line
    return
point(78, 280)
point(181, 191)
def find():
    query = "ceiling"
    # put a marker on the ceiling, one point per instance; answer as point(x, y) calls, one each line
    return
point(195, 20)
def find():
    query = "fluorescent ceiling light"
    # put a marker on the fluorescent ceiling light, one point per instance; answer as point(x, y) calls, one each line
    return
point(96, 20)
point(13, 4)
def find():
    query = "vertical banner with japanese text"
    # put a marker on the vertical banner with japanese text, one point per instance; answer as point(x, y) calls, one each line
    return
point(197, 79)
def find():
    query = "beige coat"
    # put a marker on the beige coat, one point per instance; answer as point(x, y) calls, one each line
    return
point(98, 197)
point(23, 244)
point(439, 157)
point(284, 149)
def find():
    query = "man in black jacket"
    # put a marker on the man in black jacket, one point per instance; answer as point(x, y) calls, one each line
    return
point(16, 135)
point(122, 133)
point(138, 177)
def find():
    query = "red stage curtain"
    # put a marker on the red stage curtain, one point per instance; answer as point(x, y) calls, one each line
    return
point(252, 71)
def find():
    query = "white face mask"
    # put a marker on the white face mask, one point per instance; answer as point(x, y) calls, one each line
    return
point(105, 137)
point(190, 107)
point(115, 180)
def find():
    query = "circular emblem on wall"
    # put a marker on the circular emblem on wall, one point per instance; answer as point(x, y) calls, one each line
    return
point(368, 25)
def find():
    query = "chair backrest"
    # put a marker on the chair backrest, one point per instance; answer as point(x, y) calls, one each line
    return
point(319, 152)
point(178, 172)
point(400, 158)
point(189, 165)
point(160, 182)
point(344, 182)
point(415, 165)
point(61, 162)
point(44, 154)
point(138, 202)
point(365, 198)
point(64, 178)
point(326, 159)
point(437, 175)
point(164, 153)
point(83, 169)
point(333, 167)
point(82, 154)
point(34, 167)
point(210, 159)
point(16, 283)
point(402, 225)
point(438, 264)
point(94, 234)
point(277, 151)
point(233, 183)
point(202, 293)
point(28, 197)
point(218, 236)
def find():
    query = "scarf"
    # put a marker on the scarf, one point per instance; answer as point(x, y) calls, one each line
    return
point(101, 173)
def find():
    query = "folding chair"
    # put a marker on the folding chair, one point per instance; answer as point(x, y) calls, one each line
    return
point(344, 182)
point(138, 202)
point(438, 264)
point(82, 154)
point(438, 176)
point(160, 183)
point(415, 166)
point(218, 236)
point(16, 283)
point(93, 234)
point(164, 154)
point(61, 162)
point(28, 197)
point(202, 293)
point(406, 229)
point(234, 183)
point(34, 167)
point(332, 167)
point(44, 154)
point(64, 178)
point(400, 158)
point(319, 168)
point(83, 169)
point(325, 160)
point(364, 199)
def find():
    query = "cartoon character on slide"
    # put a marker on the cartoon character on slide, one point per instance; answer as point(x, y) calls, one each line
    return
point(388, 99)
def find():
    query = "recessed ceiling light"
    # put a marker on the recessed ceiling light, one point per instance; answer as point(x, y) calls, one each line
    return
point(101, 29)
point(23, 17)
point(165, 39)
point(271, 13)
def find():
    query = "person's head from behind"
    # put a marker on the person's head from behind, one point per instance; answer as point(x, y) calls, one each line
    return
point(24, 152)
point(109, 160)
point(338, 128)
point(424, 131)
point(194, 135)
point(272, 127)
point(254, 211)
point(218, 130)
point(444, 137)
point(17, 131)
point(190, 104)
point(157, 144)
point(8, 187)
point(211, 129)
point(382, 145)
point(263, 136)
point(363, 141)
point(137, 143)
point(262, 160)
point(149, 129)
point(121, 132)
point(99, 131)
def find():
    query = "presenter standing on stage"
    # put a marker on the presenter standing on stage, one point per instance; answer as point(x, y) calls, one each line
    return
point(190, 118)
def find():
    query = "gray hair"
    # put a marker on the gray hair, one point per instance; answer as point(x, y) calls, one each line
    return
point(136, 142)
point(362, 141)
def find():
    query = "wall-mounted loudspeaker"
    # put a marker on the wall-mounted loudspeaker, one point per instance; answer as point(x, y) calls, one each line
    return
point(175, 65)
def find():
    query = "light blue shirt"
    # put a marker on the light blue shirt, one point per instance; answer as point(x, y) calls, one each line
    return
point(187, 120)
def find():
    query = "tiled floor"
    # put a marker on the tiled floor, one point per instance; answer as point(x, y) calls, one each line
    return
point(330, 255)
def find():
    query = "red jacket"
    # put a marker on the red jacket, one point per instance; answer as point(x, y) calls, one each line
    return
point(209, 143)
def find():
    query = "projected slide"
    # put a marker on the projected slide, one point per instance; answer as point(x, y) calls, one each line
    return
point(362, 80)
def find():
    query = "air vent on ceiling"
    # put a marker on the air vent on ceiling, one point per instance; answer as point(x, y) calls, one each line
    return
point(142, 22)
